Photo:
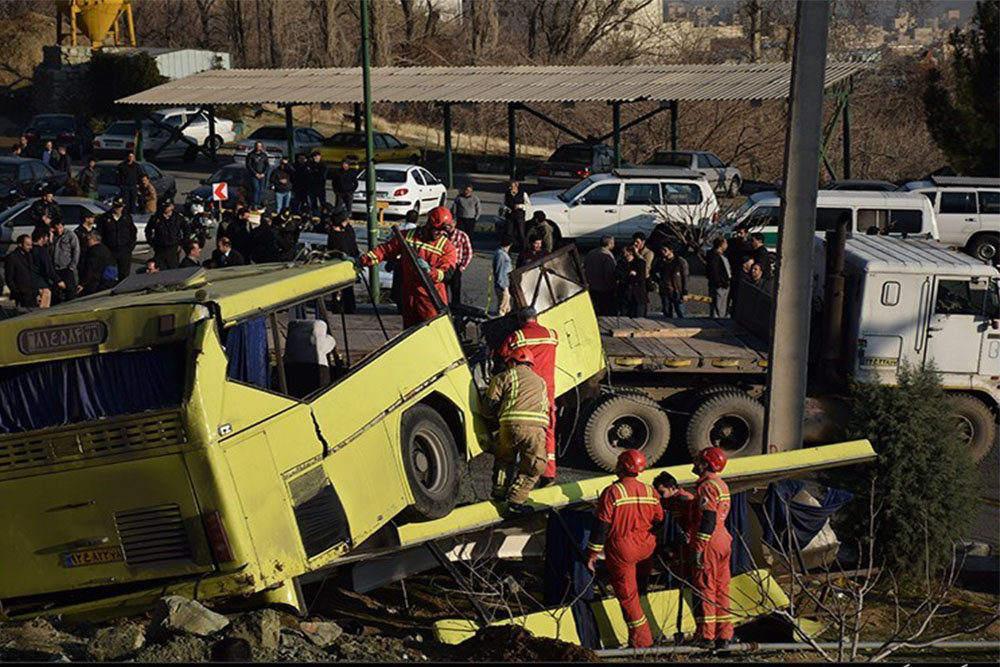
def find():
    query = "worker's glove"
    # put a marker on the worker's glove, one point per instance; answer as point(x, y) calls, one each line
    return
point(699, 560)
point(365, 260)
point(424, 266)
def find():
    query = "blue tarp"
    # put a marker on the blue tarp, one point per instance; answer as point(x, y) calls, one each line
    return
point(566, 576)
point(246, 351)
point(63, 392)
point(778, 510)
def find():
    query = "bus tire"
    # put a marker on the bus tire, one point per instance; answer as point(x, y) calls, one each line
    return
point(430, 458)
point(977, 424)
point(731, 420)
point(624, 422)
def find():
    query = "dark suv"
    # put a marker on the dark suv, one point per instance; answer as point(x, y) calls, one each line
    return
point(572, 163)
point(62, 130)
point(21, 178)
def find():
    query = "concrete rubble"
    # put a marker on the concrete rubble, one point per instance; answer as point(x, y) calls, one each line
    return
point(178, 630)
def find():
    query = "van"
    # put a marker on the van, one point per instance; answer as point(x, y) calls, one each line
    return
point(967, 212)
point(900, 212)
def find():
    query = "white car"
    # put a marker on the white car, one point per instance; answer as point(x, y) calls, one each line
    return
point(197, 128)
point(15, 220)
point(275, 140)
point(119, 138)
point(404, 187)
point(626, 201)
point(967, 210)
point(724, 177)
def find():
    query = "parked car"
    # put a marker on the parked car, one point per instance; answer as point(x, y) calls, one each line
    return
point(626, 201)
point(107, 180)
point(275, 140)
point(26, 177)
point(350, 146)
point(860, 184)
point(15, 221)
point(198, 127)
point(571, 163)
point(62, 130)
point(968, 212)
point(119, 138)
point(723, 177)
point(403, 187)
point(902, 213)
point(234, 175)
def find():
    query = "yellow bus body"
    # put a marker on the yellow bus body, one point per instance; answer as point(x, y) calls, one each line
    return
point(101, 517)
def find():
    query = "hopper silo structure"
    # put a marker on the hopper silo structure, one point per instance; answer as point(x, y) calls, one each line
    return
point(100, 21)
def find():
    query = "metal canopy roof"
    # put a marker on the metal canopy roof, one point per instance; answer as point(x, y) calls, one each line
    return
point(485, 84)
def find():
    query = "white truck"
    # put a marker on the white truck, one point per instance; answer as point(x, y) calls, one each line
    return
point(900, 301)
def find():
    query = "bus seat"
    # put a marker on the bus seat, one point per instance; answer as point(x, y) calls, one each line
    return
point(307, 350)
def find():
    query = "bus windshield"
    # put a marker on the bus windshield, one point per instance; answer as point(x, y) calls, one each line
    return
point(67, 391)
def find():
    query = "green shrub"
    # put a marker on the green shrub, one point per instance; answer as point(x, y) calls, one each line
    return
point(925, 483)
point(117, 75)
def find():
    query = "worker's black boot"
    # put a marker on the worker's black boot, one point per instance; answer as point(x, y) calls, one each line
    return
point(706, 644)
point(513, 510)
point(723, 644)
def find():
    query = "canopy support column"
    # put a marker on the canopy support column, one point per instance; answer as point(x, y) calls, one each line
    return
point(449, 174)
point(357, 117)
point(616, 131)
point(211, 131)
point(290, 132)
point(675, 131)
point(846, 127)
point(512, 139)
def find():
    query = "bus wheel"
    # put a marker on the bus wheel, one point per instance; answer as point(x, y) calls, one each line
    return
point(630, 421)
point(730, 420)
point(977, 426)
point(430, 457)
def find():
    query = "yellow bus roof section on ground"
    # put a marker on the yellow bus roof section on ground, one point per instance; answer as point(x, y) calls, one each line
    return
point(238, 291)
point(753, 594)
point(741, 472)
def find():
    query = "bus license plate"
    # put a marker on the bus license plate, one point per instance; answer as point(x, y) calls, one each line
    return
point(96, 556)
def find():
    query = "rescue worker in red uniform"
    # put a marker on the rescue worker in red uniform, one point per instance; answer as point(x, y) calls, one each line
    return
point(436, 256)
point(542, 343)
point(627, 512)
point(710, 545)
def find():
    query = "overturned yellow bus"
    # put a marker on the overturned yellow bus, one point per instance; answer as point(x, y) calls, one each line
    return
point(220, 432)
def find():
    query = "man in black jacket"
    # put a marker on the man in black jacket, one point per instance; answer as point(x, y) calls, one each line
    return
point(192, 254)
point(60, 161)
point(129, 174)
point(719, 276)
point(118, 233)
point(317, 181)
point(225, 255)
point(288, 227)
point(344, 182)
point(281, 180)
point(341, 238)
point(86, 179)
point(300, 183)
point(760, 254)
point(19, 276)
point(98, 267)
point(670, 272)
point(45, 211)
point(46, 278)
point(165, 232)
point(265, 242)
point(258, 166)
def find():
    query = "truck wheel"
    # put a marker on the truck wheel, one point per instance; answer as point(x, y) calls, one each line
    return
point(983, 247)
point(617, 423)
point(430, 457)
point(730, 420)
point(976, 423)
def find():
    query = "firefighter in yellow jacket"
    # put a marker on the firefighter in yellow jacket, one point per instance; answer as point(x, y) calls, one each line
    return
point(519, 398)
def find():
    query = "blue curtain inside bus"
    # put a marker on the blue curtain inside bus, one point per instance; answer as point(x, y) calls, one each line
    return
point(246, 350)
point(56, 393)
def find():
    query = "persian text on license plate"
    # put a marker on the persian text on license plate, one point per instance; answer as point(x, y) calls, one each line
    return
point(96, 556)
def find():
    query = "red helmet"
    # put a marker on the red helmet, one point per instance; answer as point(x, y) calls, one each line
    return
point(714, 458)
point(522, 355)
point(438, 217)
point(632, 461)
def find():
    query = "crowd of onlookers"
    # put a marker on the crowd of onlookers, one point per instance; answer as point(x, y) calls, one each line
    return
point(622, 284)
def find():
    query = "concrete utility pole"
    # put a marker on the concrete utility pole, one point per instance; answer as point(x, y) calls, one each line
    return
point(791, 304)
point(366, 83)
